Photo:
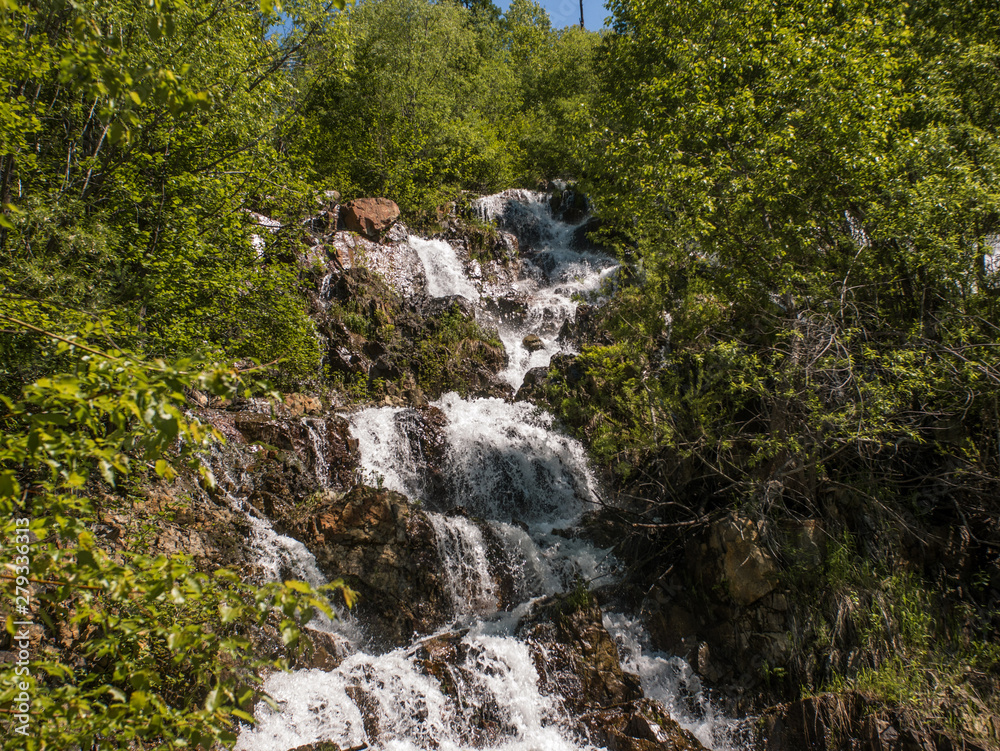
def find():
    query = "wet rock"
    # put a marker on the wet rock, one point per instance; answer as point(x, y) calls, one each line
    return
point(576, 658)
point(533, 343)
point(368, 706)
point(424, 430)
point(575, 655)
point(446, 657)
point(511, 310)
point(324, 447)
point(436, 306)
point(383, 548)
point(324, 651)
point(370, 216)
point(641, 725)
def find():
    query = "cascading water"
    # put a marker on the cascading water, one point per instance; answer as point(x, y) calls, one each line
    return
point(279, 557)
point(672, 682)
point(466, 569)
point(555, 276)
point(445, 276)
point(504, 487)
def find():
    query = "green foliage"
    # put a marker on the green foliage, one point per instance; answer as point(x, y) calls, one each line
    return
point(143, 135)
point(807, 199)
point(431, 98)
point(135, 648)
point(455, 342)
point(912, 660)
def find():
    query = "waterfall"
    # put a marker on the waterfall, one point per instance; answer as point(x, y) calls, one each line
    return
point(466, 570)
point(445, 275)
point(503, 490)
point(496, 703)
point(320, 449)
point(672, 682)
point(278, 557)
point(555, 276)
point(391, 459)
point(506, 461)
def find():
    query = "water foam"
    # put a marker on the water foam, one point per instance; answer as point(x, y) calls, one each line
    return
point(445, 273)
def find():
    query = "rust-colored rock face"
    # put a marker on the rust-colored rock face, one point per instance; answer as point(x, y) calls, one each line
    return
point(386, 550)
point(370, 217)
point(576, 658)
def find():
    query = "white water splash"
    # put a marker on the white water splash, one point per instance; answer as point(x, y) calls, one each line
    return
point(555, 277)
point(388, 458)
point(506, 462)
point(320, 448)
point(466, 570)
point(498, 704)
point(671, 681)
point(445, 275)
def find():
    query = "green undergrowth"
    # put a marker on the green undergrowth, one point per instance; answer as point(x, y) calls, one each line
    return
point(453, 344)
point(940, 670)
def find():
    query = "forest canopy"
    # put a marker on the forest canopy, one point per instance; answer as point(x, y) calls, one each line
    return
point(805, 195)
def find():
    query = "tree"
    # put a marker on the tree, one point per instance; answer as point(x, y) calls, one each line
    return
point(146, 134)
point(153, 650)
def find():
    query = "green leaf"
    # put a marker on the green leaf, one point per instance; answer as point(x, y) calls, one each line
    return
point(9, 486)
point(245, 716)
point(289, 635)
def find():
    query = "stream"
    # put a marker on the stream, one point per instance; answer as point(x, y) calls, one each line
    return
point(513, 485)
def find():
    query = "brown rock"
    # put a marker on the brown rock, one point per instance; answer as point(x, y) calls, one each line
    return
point(533, 343)
point(324, 447)
point(575, 655)
point(749, 571)
point(302, 404)
point(384, 549)
point(370, 216)
point(641, 725)
point(325, 651)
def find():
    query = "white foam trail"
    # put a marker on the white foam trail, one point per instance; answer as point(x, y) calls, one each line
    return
point(555, 277)
point(506, 462)
point(444, 272)
point(466, 571)
point(671, 681)
point(497, 703)
point(318, 440)
point(388, 458)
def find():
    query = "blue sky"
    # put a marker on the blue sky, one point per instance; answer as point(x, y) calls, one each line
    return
point(567, 12)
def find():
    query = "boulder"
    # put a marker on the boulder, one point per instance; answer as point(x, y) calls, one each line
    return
point(575, 655)
point(533, 343)
point(425, 431)
point(383, 548)
point(748, 569)
point(302, 404)
point(370, 217)
point(323, 447)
